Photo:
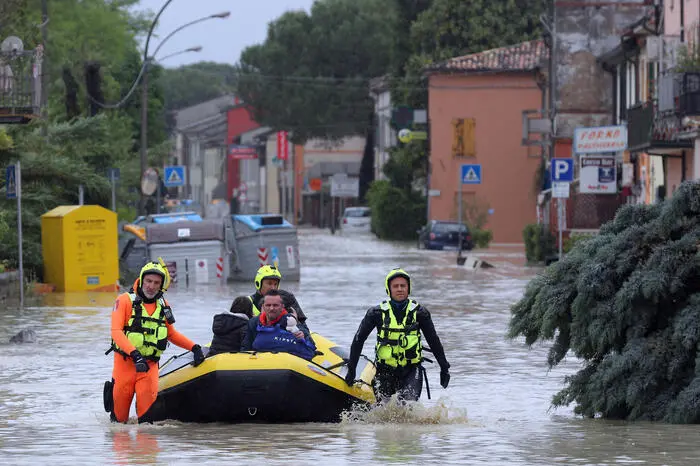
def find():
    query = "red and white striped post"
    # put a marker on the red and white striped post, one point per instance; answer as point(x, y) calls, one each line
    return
point(220, 268)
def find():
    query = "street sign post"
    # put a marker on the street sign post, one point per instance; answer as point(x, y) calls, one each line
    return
point(343, 186)
point(562, 172)
point(13, 187)
point(11, 182)
point(468, 174)
point(113, 175)
point(174, 176)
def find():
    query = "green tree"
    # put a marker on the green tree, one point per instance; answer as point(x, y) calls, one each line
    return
point(77, 154)
point(627, 303)
point(398, 207)
point(310, 76)
point(439, 30)
point(191, 84)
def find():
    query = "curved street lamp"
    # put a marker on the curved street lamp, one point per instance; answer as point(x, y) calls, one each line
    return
point(170, 55)
point(144, 86)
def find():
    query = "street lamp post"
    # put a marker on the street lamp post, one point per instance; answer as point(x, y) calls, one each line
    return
point(144, 84)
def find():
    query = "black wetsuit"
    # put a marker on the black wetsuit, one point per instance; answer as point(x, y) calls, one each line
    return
point(406, 380)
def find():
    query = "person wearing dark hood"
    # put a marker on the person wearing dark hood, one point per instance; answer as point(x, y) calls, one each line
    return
point(230, 327)
point(398, 353)
point(142, 326)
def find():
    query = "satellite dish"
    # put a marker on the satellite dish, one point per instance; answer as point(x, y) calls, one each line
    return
point(149, 182)
point(12, 44)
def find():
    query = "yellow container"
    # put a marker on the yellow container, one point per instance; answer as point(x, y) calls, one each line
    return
point(80, 248)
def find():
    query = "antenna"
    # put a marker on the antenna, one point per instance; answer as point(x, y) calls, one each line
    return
point(12, 44)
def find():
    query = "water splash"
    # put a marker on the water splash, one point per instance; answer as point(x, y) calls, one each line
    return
point(395, 411)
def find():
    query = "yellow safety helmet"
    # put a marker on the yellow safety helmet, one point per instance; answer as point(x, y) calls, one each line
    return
point(266, 271)
point(158, 268)
point(395, 273)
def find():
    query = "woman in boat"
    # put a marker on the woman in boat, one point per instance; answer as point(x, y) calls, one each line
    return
point(230, 327)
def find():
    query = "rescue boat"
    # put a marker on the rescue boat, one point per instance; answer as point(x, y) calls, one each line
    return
point(261, 387)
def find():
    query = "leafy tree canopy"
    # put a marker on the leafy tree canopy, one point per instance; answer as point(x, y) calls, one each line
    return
point(311, 74)
point(627, 303)
point(77, 154)
point(191, 84)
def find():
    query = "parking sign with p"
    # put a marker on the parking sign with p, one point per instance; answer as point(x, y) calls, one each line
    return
point(562, 170)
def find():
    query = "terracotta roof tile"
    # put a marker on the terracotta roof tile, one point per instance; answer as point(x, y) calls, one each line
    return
point(526, 56)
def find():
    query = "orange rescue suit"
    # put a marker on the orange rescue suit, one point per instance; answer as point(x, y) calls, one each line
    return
point(126, 380)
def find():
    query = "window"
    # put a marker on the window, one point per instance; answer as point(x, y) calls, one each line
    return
point(464, 137)
point(449, 228)
point(357, 212)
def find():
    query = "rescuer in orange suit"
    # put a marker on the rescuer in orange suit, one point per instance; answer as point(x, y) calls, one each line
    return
point(142, 325)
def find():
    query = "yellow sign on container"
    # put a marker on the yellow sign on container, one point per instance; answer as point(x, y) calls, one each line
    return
point(80, 248)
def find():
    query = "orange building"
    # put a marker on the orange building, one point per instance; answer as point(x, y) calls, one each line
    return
point(476, 105)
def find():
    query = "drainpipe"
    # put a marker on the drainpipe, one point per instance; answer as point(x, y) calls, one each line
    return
point(683, 166)
point(682, 2)
point(427, 154)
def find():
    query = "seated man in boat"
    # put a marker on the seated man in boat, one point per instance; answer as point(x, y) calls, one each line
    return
point(273, 330)
point(267, 278)
point(230, 327)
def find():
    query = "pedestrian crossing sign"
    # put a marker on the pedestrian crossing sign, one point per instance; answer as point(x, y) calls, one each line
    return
point(174, 176)
point(11, 182)
point(471, 174)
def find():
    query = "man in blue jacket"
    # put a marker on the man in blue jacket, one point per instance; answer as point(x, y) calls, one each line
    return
point(268, 332)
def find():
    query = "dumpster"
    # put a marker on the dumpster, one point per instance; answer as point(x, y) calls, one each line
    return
point(264, 239)
point(80, 248)
point(132, 242)
point(194, 252)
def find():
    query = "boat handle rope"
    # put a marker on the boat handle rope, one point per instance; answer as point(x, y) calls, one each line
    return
point(172, 358)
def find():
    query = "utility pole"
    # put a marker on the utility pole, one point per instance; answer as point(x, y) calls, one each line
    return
point(553, 115)
point(144, 131)
point(44, 70)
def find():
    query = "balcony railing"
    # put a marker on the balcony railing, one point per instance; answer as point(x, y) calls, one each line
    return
point(20, 86)
point(689, 94)
point(658, 123)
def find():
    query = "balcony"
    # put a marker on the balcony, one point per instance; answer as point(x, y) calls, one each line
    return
point(689, 94)
point(20, 86)
point(656, 126)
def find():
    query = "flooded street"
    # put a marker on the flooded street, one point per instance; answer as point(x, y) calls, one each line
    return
point(495, 411)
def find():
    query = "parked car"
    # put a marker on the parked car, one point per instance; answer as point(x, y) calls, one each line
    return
point(439, 234)
point(356, 219)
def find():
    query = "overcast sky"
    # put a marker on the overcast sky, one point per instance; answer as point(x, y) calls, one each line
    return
point(222, 40)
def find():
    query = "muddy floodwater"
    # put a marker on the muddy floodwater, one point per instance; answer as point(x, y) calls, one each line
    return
point(496, 410)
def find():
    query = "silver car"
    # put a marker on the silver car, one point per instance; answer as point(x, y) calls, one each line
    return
point(356, 219)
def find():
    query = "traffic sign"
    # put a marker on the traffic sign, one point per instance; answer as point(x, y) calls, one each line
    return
point(11, 182)
point(407, 135)
point(562, 170)
point(174, 176)
point(560, 189)
point(471, 174)
point(113, 172)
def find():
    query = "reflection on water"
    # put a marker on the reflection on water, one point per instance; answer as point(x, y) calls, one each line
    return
point(51, 391)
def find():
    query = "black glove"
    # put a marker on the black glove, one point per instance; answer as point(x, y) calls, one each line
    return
point(198, 355)
point(444, 377)
point(139, 361)
point(350, 377)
